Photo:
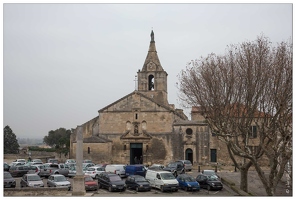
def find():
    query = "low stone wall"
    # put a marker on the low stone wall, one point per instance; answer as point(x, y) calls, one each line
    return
point(36, 192)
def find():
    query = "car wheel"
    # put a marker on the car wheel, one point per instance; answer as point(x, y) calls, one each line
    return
point(110, 189)
point(161, 188)
point(209, 188)
point(137, 189)
point(186, 189)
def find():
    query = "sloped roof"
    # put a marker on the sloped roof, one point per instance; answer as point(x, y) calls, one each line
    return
point(144, 96)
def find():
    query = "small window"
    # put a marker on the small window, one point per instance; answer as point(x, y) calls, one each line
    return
point(189, 131)
point(136, 116)
point(253, 132)
point(88, 150)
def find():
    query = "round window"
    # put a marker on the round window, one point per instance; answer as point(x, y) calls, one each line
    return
point(189, 131)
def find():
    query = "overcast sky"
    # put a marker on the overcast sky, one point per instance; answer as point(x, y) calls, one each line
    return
point(64, 62)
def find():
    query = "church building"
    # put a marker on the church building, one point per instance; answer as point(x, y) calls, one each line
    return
point(143, 125)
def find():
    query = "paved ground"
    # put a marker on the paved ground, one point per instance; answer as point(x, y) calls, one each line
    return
point(255, 185)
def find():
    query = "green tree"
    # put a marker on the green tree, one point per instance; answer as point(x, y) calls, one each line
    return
point(59, 139)
point(11, 145)
point(250, 85)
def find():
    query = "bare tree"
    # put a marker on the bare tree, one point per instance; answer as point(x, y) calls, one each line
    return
point(246, 98)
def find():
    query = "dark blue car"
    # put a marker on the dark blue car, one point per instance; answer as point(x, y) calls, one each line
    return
point(188, 182)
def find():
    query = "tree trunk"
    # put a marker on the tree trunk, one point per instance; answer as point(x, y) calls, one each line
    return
point(244, 179)
point(244, 169)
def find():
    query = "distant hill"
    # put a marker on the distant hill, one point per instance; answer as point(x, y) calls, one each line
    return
point(30, 141)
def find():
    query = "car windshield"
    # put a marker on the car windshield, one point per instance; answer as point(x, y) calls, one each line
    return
point(34, 178)
point(189, 179)
point(140, 178)
point(212, 178)
point(60, 178)
point(7, 175)
point(90, 169)
point(115, 178)
point(88, 178)
point(172, 165)
point(167, 176)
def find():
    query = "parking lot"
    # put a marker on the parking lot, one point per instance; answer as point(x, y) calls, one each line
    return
point(226, 191)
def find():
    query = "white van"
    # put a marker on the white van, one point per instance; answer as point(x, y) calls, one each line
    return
point(162, 180)
point(116, 169)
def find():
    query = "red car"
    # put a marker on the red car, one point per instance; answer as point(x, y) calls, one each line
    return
point(90, 183)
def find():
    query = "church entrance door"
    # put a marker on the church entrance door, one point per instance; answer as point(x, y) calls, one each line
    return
point(189, 155)
point(136, 156)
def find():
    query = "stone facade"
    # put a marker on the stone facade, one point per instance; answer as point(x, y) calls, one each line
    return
point(143, 124)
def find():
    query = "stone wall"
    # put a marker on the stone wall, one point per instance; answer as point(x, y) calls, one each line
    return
point(43, 155)
point(35, 192)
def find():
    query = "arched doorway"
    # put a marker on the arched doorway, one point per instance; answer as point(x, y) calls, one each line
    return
point(189, 155)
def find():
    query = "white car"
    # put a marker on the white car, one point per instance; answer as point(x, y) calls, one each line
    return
point(58, 180)
point(94, 171)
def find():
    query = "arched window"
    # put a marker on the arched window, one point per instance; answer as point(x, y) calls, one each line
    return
point(151, 82)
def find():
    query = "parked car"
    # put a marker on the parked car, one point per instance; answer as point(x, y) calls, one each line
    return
point(175, 167)
point(53, 161)
point(209, 182)
point(31, 180)
point(187, 164)
point(34, 169)
point(72, 171)
point(70, 161)
point(58, 180)
point(20, 160)
point(6, 167)
point(111, 181)
point(90, 183)
point(36, 161)
point(137, 182)
point(163, 180)
point(19, 170)
point(135, 170)
point(188, 182)
point(58, 169)
point(156, 167)
point(94, 171)
point(86, 165)
point(101, 165)
point(118, 169)
point(17, 163)
point(45, 171)
point(209, 172)
point(8, 180)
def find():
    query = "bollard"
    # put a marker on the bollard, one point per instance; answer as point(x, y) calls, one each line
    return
point(198, 168)
point(235, 168)
point(216, 168)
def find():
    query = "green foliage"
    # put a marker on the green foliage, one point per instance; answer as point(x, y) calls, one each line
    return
point(11, 145)
point(36, 148)
point(59, 140)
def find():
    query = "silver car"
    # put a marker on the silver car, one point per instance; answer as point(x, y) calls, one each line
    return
point(187, 164)
point(58, 180)
point(31, 180)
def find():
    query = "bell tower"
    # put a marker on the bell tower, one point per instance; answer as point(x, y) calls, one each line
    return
point(152, 79)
